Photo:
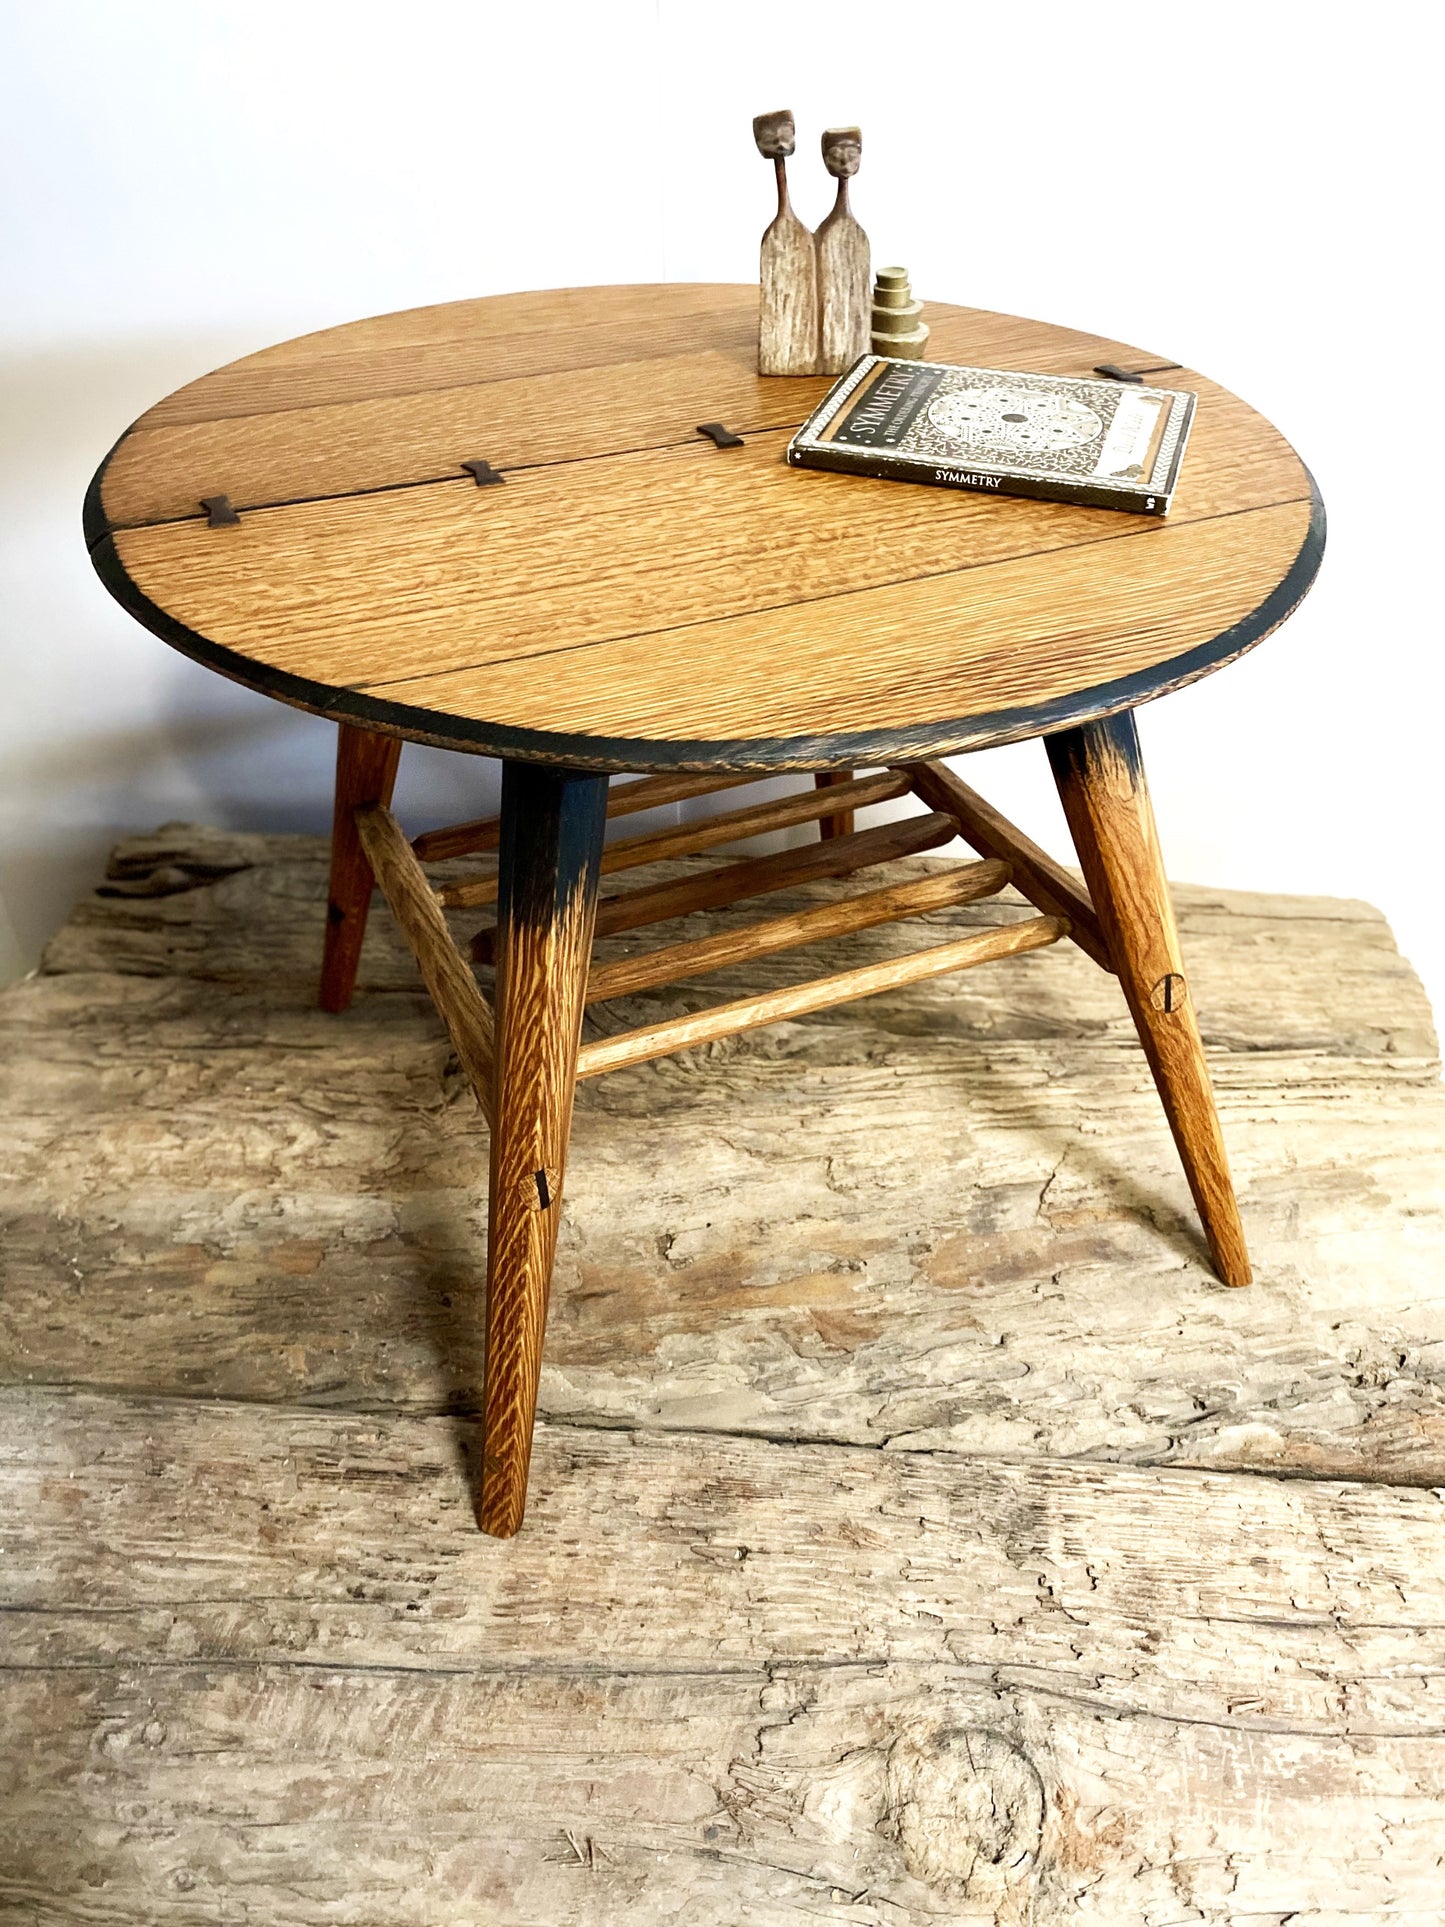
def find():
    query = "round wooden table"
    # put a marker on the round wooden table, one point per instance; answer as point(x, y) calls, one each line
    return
point(495, 526)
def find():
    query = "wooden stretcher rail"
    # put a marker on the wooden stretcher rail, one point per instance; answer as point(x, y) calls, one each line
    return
point(1046, 884)
point(623, 799)
point(967, 884)
point(732, 826)
point(747, 1013)
point(757, 876)
point(454, 990)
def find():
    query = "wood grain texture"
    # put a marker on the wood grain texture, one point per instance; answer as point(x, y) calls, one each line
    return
point(819, 993)
point(665, 608)
point(1100, 776)
point(366, 767)
point(948, 1218)
point(843, 286)
point(1032, 870)
point(788, 319)
point(552, 828)
point(255, 1661)
point(716, 1679)
point(343, 448)
point(706, 832)
point(967, 884)
point(494, 338)
point(555, 331)
point(450, 983)
point(452, 574)
point(996, 650)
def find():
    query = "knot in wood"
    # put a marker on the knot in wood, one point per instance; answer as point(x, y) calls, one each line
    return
point(967, 1809)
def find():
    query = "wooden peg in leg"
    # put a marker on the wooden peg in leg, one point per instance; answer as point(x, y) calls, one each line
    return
point(1100, 776)
point(788, 281)
point(551, 848)
point(843, 291)
point(365, 773)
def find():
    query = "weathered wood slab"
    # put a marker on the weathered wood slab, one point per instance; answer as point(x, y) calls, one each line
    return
point(256, 1663)
point(950, 1217)
point(259, 1663)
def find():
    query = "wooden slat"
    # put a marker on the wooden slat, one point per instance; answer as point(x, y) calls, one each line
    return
point(773, 1006)
point(706, 833)
point(511, 336)
point(967, 884)
point(459, 1002)
point(891, 663)
point(570, 415)
point(1046, 884)
point(719, 563)
point(758, 876)
point(623, 799)
point(495, 338)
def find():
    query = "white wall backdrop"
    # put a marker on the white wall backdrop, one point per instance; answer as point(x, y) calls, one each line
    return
point(1243, 189)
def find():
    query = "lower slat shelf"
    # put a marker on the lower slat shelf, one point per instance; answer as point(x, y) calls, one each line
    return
point(771, 1007)
point(966, 884)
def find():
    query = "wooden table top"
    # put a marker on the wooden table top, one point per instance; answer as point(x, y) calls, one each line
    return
point(632, 597)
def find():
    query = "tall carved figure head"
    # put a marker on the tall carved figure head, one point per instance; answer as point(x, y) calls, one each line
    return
point(842, 151)
point(775, 135)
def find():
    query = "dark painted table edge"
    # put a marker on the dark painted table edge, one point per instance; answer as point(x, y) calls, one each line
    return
point(832, 750)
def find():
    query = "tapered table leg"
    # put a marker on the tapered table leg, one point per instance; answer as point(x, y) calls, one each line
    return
point(1100, 776)
point(552, 826)
point(365, 773)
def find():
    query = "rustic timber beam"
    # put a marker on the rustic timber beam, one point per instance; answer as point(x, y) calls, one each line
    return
point(732, 826)
point(966, 884)
point(756, 876)
point(748, 1013)
point(455, 992)
point(1046, 884)
point(623, 799)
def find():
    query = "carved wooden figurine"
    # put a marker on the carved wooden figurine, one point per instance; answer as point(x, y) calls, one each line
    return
point(897, 329)
point(788, 312)
point(842, 260)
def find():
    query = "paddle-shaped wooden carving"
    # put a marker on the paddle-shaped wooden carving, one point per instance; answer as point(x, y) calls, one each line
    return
point(842, 260)
point(788, 313)
point(813, 311)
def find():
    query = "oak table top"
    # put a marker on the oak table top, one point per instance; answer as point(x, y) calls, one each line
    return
point(633, 597)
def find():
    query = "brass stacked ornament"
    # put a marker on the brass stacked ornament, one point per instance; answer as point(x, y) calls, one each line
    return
point(896, 327)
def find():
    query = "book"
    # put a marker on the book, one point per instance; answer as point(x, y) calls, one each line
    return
point(1061, 438)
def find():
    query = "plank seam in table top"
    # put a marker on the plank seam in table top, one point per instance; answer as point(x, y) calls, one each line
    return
point(833, 599)
point(725, 311)
point(454, 474)
point(97, 524)
point(1125, 528)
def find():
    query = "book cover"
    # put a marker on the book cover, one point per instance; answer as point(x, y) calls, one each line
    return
point(1061, 438)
